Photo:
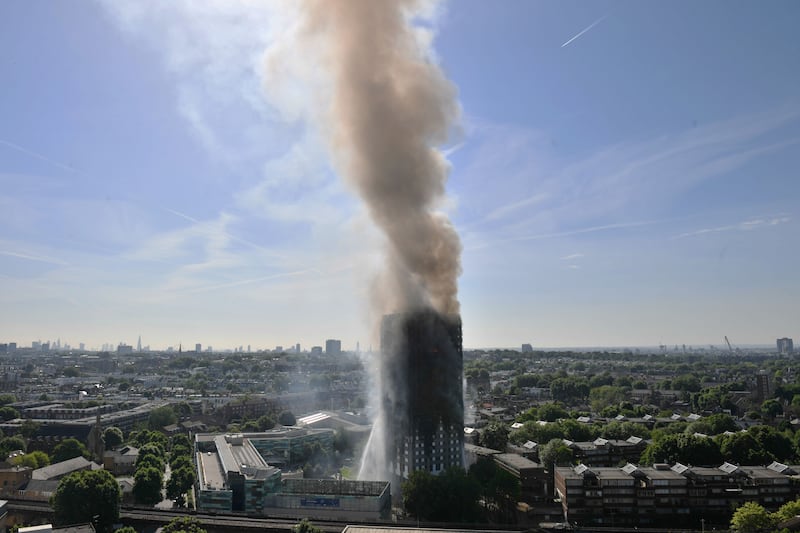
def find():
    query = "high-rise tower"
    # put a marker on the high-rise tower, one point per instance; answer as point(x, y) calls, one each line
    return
point(422, 391)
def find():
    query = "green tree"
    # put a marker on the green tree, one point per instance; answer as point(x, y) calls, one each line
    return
point(150, 461)
point(604, 395)
point(555, 452)
point(458, 497)
point(180, 481)
point(151, 448)
point(8, 413)
point(87, 496)
point(494, 436)
point(744, 449)
point(6, 399)
point(184, 524)
point(771, 408)
point(550, 412)
point(125, 529)
point(713, 425)
point(682, 448)
point(112, 437)
point(265, 422)
point(286, 418)
point(750, 517)
point(687, 382)
point(420, 494)
point(787, 511)
point(180, 440)
point(500, 489)
point(620, 430)
point(250, 426)
point(69, 449)
point(11, 444)
point(160, 417)
point(147, 483)
point(35, 459)
point(28, 429)
point(181, 461)
point(304, 526)
point(774, 442)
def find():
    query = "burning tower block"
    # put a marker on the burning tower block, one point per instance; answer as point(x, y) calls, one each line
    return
point(421, 381)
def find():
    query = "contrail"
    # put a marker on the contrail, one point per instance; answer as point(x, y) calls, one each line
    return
point(38, 156)
point(39, 258)
point(589, 27)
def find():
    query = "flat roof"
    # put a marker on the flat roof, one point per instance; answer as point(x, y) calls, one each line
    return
point(211, 476)
point(246, 454)
point(517, 462)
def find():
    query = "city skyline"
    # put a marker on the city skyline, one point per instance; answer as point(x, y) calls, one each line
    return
point(624, 175)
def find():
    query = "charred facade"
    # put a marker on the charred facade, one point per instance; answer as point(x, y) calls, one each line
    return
point(421, 381)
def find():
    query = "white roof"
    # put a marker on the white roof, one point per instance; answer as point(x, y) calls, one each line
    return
point(312, 419)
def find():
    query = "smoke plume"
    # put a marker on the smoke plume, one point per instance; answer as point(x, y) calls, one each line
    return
point(390, 107)
point(387, 107)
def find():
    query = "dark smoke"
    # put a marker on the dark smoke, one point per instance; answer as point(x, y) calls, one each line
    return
point(391, 106)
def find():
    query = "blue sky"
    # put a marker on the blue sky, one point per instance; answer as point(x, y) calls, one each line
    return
point(636, 185)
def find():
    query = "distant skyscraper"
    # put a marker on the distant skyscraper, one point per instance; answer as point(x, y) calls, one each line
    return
point(198, 347)
point(139, 344)
point(82, 346)
point(422, 391)
point(316, 350)
point(785, 346)
point(297, 348)
point(333, 347)
point(527, 348)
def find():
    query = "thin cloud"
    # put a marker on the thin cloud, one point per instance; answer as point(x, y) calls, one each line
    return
point(589, 27)
point(571, 256)
point(559, 234)
point(37, 258)
point(227, 234)
point(505, 210)
point(253, 280)
point(747, 225)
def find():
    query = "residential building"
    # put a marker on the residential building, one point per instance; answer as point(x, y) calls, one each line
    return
point(423, 401)
point(635, 496)
point(121, 462)
point(785, 346)
point(12, 478)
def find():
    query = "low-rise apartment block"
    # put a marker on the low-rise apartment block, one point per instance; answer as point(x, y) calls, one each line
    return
point(644, 496)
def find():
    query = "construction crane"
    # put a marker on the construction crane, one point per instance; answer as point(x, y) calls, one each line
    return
point(730, 349)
